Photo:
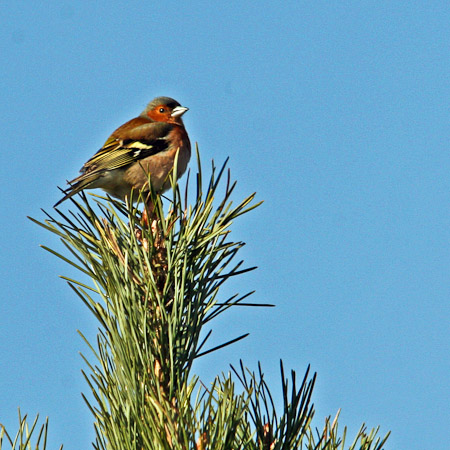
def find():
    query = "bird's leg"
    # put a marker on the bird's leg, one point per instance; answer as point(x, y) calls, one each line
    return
point(148, 213)
point(148, 217)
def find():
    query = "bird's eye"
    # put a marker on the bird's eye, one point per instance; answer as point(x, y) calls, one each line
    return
point(161, 110)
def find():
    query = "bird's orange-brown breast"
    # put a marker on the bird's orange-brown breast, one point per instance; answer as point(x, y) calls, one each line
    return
point(179, 141)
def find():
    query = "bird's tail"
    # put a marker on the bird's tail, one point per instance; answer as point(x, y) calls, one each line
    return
point(68, 193)
point(77, 185)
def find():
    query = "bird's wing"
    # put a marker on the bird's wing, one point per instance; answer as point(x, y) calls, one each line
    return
point(130, 143)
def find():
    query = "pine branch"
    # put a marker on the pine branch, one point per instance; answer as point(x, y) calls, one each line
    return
point(158, 283)
point(155, 283)
point(26, 434)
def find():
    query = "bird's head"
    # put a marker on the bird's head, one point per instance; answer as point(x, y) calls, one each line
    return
point(164, 109)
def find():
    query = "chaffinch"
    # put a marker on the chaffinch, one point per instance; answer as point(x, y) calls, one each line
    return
point(146, 145)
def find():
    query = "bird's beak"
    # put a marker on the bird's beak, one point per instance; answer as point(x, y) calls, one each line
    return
point(178, 111)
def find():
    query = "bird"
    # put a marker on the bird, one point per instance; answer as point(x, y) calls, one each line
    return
point(142, 149)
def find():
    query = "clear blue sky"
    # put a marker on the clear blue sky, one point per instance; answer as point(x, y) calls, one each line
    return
point(335, 113)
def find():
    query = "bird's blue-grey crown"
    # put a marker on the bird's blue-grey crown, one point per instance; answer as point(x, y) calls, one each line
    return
point(170, 102)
